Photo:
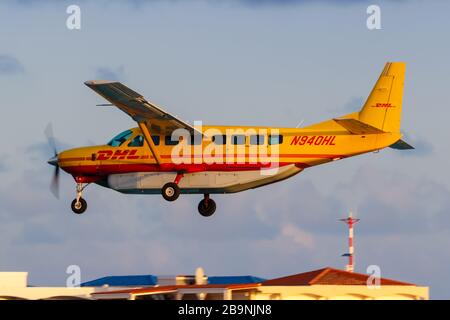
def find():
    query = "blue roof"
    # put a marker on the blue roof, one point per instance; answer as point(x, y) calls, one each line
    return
point(150, 280)
point(234, 279)
point(137, 280)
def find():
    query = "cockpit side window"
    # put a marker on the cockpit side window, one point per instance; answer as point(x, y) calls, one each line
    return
point(137, 141)
point(169, 142)
point(118, 140)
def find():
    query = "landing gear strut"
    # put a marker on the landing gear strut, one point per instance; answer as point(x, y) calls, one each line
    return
point(79, 205)
point(207, 206)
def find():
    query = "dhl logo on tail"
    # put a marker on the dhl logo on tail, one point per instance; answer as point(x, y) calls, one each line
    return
point(383, 105)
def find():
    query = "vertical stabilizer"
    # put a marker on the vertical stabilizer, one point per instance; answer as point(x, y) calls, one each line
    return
point(383, 108)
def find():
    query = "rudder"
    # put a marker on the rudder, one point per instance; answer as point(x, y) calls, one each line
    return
point(383, 108)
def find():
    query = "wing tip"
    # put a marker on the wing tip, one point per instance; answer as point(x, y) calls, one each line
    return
point(97, 82)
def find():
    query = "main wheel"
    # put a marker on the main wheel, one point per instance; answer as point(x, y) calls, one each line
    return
point(207, 207)
point(79, 206)
point(170, 191)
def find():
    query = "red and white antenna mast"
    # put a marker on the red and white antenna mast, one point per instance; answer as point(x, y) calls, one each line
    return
point(350, 221)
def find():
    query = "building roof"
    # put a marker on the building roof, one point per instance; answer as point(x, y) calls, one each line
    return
point(325, 276)
point(329, 276)
point(150, 280)
point(123, 281)
point(234, 280)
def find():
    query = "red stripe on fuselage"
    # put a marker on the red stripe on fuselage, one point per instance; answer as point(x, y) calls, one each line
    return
point(287, 155)
point(107, 169)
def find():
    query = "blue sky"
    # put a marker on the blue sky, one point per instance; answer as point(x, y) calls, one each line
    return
point(225, 62)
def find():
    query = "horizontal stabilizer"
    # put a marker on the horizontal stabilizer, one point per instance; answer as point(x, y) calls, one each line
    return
point(357, 127)
point(401, 145)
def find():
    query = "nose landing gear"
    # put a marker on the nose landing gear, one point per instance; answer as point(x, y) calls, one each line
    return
point(79, 205)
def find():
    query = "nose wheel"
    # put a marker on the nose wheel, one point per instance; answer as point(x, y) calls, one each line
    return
point(207, 206)
point(79, 205)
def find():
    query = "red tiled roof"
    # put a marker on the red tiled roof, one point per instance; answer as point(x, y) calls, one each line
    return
point(329, 276)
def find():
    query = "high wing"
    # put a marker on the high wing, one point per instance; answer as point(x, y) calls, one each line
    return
point(142, 111)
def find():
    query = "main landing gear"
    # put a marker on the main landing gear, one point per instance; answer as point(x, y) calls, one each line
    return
point(171, 191)
point(207, 206)
point(79, 205)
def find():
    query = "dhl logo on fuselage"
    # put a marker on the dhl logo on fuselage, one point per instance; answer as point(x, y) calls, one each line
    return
point(313, 140)
point(383, 105)
point(117, 155)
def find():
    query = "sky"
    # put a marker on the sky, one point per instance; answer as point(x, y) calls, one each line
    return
point(237, 62)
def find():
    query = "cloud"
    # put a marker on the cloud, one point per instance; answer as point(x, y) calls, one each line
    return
point(9, 65)
point(115, 74)
point(391, 203)
point(258, 3)
point(4, 163)
point(298, 236)
point(248, 3)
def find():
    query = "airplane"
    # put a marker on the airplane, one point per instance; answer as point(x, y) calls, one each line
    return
point(152, 159)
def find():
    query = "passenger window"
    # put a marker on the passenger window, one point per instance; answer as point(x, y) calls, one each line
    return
point(219, 139)
point(257, 139)
point(196, 139)
point(156, 140)
point(169, 142)
point(120, 138)
point(137, 141)
point(275, 139)
point(238, 139)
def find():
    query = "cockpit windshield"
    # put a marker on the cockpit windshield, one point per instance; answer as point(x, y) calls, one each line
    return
point(120, 138)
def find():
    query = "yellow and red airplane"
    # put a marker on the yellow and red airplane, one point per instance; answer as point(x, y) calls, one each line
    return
point(165, 155)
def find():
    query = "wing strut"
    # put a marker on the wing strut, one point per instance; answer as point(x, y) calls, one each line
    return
point(151, 144)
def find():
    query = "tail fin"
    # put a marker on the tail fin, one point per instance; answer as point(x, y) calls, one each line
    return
point(383, 108)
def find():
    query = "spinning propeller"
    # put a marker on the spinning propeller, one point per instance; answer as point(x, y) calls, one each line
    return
point(54, 185)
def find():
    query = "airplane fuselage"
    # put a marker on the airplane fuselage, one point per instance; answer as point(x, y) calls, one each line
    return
point(250, 157)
